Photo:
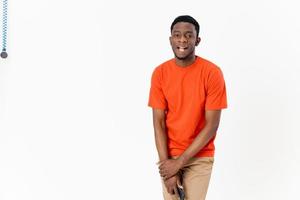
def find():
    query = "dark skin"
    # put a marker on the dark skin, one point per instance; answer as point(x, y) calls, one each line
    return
point(183, 41)
point(159, 124)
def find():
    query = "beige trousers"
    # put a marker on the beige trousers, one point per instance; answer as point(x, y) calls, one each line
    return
point(195, 179)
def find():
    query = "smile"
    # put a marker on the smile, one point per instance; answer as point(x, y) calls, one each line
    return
point(182, 49)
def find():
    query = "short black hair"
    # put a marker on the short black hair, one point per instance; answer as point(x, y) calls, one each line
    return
point(186, 18)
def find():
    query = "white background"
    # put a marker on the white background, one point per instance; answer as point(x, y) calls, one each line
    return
point(74, 121)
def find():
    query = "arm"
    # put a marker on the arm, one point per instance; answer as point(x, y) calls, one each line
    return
point(170, 167)
point(161, 139)
point(212, 118)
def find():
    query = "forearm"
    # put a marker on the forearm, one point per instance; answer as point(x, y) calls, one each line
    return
point(169, 168)
point(161, 140)
point(206, 134)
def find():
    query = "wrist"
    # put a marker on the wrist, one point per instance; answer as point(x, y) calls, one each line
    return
point(161, 160)
point(182, 161)
point(163, 157)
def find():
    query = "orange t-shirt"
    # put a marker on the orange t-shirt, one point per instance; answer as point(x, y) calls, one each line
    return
point(185, 93)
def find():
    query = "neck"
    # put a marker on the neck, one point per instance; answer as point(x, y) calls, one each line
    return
point(185, 62)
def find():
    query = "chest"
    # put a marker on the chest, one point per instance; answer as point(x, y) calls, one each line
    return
point(185, 88)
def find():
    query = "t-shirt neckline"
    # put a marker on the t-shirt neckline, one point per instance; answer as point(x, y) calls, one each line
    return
point(188, 66)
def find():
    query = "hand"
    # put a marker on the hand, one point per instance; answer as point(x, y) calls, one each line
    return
point(169, 168)
point(171, 185)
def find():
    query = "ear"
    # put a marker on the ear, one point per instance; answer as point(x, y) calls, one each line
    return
point(198, 41)
point(170, 40)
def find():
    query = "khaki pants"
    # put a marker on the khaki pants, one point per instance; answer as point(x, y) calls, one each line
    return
point(195, 179)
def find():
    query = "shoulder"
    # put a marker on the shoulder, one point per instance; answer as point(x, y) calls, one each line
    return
point(210, 72)
point(209, 69)
point(208, 65)
point(163, 67)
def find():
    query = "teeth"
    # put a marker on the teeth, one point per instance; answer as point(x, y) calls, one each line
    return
point(181, 49)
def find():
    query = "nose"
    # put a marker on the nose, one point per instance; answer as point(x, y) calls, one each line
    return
point(182, 39)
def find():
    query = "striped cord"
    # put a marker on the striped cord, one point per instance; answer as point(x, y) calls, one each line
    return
point(4, 29)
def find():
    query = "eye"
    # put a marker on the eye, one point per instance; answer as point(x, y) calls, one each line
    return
point(188, 35)
point(176, 35)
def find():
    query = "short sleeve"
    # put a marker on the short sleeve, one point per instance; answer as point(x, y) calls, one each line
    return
point(216, 98)
point(156, 97)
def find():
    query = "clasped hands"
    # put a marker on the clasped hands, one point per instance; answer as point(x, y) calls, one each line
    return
point(169, 167)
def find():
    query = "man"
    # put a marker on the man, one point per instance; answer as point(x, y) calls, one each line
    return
point(187, 94)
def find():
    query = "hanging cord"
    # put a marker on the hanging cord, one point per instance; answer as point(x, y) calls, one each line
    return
point(4, 29)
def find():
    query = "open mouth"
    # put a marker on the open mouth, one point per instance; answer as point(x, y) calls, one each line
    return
point(182, 49)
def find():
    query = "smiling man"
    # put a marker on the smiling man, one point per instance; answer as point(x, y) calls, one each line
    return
point(187, 95)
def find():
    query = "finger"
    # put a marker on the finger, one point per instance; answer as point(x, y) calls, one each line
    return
point(161, 166)
point(176, 191)
point(162, 173)
point(167, 177)
point(170, 190)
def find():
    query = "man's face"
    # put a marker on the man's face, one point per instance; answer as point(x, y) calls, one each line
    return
point(183, 40)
